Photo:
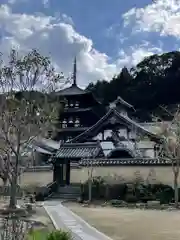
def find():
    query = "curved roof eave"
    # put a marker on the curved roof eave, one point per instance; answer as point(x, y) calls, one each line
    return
point(131, 153)
point(120, 116)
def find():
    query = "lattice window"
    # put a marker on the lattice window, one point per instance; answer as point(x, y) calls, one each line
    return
point(66, 103)
point(77, 104)
point(71, 104)
point(77, 122)
point(64, 123)
point(70, 120)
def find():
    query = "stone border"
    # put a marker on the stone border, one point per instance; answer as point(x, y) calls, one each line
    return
point(87, 224)
point(77, 219)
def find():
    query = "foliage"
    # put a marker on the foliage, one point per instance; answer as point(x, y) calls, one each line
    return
point(115, 202)
point(44, 234)
point(41, 234)
point(131, 198)
point(146, 86)
point(129, 192)
point(169, 133)
point(59, 235)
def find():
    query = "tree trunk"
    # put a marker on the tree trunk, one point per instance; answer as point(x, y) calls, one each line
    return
point(90, 189)
point(176, 192)
point(13, 199)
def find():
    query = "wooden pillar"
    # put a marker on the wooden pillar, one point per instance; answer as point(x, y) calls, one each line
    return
point(68, 172)
point(54, 173)
point(61, 174)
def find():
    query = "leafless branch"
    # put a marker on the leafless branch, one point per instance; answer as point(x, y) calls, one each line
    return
point(27, 105)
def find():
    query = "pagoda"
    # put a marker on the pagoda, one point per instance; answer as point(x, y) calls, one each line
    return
point(81, 110)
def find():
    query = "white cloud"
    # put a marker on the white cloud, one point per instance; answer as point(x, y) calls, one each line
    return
point(57, 37)
point(67, 19)
point(163, 16)
point(136, 53)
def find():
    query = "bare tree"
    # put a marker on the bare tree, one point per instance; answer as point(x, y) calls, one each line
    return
point(88, 163)
point(169, 133)
point(90, 179)
point(27, 109)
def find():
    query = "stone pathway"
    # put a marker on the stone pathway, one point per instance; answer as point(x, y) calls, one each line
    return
point(63, 218)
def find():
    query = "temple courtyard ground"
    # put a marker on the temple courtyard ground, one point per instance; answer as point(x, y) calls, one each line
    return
point(128, 224)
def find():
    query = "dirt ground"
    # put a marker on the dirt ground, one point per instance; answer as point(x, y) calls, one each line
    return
point(131, 224)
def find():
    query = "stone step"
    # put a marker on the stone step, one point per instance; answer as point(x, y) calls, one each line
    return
point(67, 196)
point(64, 190)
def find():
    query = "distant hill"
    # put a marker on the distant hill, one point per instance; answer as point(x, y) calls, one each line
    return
point(155, 81)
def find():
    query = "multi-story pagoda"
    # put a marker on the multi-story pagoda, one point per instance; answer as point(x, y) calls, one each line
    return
point(81, 110)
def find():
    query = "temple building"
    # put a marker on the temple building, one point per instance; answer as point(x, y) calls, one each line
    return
point(90, 135)
point(114, 140)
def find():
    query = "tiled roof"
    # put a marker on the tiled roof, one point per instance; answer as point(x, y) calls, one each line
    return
point(125, 162)
point(70, 150)
point(123, 102)
point(43, 145)
point(73, 90)
point(119, 117)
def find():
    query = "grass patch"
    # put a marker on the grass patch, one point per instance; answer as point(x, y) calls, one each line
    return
point(41, 234)
point(44, 234)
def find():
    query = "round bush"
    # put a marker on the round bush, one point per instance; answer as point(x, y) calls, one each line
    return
point(59, 235)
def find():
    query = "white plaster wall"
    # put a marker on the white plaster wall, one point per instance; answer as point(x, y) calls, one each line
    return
point(149, 153)
point(145, 144)
point(123, 132)
point(162, 174)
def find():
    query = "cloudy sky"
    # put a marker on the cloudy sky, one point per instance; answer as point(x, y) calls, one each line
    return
point(105, 35)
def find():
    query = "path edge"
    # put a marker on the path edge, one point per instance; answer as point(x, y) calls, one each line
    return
point(51, 218)
point(86, 223)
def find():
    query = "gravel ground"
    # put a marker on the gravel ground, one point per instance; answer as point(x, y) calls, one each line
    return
point(128, 224)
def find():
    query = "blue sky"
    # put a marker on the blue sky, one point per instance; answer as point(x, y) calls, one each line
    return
point(105, 35)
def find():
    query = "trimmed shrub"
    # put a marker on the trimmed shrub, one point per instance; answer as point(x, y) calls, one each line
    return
point(59, 235)
point(165, 196)
point(131, 199)
point(130, 192)
point(116, 202)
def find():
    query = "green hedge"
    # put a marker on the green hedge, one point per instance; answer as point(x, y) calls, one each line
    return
point(121, 191)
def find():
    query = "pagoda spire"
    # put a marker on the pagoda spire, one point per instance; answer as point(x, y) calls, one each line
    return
point(74, 73)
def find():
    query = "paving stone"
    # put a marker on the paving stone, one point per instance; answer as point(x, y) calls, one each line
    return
point(65, 219)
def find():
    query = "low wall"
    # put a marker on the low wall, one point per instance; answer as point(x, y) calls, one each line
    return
point(34, 178)
point(162, 174)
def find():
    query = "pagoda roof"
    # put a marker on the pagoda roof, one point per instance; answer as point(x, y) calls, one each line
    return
point(72, 90)
point(79, 150)
point(121, 101)
point(113, 115)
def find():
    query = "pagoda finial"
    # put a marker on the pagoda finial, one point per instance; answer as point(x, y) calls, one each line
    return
point(74, 72)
